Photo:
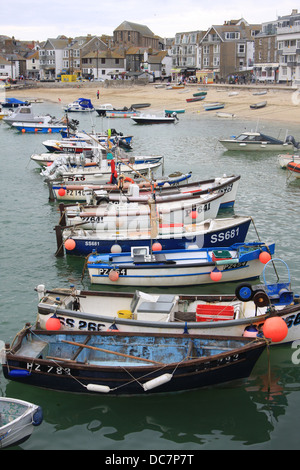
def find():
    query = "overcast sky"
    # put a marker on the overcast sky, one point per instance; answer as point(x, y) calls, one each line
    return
point(38, 20)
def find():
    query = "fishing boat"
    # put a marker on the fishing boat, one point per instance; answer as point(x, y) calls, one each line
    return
point(112, 136)
point(261, 104)
point(119, 363)
point(242, 313)
point(18, 418)
point(154, 119)
point(25, 114)
point(121, 113)
point(13, 103)
point(38, 128)
point(195, 266)
point(283, 160)
point(213, 106)
point(100, 173)
point(225, 185)
point(294, 168)
point(200, 93)
point(84, 193)
point(256, 141)
point(80, 105)
point(195, 98)
point(174, 236)
point(108, 109)
point(125, 215)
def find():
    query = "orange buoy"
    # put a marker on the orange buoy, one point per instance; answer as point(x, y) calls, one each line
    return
point(53, 323)
point(216, 275)
point(70, 244)
point(193, 215)
point(23, 130)
point(61, 192)
point(264, 257)
point(156, 246)
point(275, 329)
point(113, 275)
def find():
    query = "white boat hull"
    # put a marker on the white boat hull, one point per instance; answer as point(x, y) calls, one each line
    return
point(175, 276)
point(100, 311)
point(256, 146)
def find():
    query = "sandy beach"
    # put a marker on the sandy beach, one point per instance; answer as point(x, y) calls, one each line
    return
point(283, 103)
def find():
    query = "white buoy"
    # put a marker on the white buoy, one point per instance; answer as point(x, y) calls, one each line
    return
point(98, 388)
point(157, 381)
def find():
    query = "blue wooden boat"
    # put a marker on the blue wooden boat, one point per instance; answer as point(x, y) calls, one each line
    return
point(119, 363)
point(18, 418)
point(171, 268)
point(207, 234)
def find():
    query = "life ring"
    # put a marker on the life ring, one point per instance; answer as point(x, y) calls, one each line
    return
point(130, 180)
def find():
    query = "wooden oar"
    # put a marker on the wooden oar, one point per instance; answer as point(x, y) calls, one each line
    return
point(111, 352)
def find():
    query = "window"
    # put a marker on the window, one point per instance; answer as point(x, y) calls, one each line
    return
point(232, 35)
point(241, 48)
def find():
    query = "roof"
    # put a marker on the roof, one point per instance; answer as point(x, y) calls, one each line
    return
point(140, 28)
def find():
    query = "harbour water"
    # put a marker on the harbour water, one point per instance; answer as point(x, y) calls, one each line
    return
point(234, 416)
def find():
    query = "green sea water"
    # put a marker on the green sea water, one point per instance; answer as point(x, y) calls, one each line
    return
point(234, 416)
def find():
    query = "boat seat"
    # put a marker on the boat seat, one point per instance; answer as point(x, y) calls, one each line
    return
point(164, 304)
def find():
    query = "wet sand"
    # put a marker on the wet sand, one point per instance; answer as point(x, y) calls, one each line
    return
point(283, 103)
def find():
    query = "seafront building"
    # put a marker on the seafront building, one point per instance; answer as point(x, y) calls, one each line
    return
point(235, 51)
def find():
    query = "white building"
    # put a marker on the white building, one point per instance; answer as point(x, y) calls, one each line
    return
point(288, 47)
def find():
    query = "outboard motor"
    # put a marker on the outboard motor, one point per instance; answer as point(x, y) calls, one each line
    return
point(291, 139)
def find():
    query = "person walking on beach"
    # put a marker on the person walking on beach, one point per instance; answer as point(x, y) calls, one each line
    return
point(98, 94)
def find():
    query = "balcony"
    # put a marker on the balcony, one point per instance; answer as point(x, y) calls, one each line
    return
point(288, 30)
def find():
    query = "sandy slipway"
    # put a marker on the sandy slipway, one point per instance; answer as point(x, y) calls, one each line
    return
point(283, 102)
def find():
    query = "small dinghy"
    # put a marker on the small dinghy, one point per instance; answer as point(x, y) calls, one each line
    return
point(213, 106)
point(18, 418)
point(262, 104)
point(294, 168)
point(119, 363)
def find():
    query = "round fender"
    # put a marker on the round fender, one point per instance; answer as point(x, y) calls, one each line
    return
point(244, 292)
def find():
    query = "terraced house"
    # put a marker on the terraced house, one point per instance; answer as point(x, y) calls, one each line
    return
point(228, 49)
